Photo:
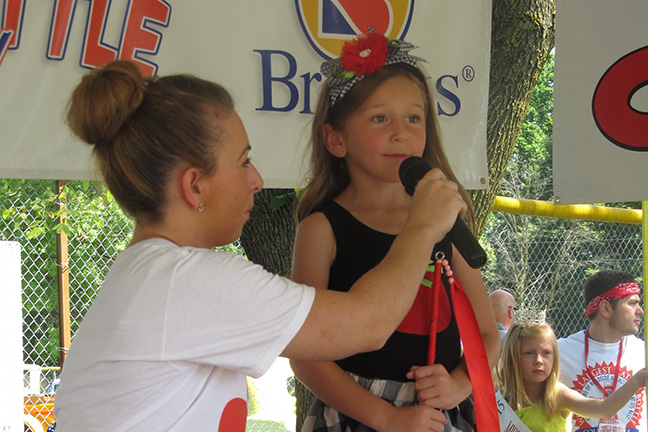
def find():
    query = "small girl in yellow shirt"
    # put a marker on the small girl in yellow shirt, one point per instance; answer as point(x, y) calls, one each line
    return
point(527, 374)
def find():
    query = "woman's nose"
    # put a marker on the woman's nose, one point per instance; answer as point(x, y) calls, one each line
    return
point(255, 181)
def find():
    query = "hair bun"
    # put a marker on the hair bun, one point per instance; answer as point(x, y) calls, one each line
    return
point(104, 100)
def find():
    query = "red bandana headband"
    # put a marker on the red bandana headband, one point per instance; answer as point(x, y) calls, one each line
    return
point(618, 292)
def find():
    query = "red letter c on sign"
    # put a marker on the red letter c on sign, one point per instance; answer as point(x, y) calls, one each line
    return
point(617, 120)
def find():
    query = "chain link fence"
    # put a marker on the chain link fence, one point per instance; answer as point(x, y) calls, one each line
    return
point(544, 262)
point(541, 261)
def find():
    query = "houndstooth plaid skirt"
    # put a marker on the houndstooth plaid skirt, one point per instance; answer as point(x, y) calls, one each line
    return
point(323, 418)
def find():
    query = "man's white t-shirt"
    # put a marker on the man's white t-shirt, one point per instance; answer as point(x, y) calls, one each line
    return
point(170, 338)
point(602, 360)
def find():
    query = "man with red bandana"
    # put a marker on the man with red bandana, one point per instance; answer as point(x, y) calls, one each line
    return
point(600, 359)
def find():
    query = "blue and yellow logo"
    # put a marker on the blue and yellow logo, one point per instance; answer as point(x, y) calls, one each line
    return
point(329, 23)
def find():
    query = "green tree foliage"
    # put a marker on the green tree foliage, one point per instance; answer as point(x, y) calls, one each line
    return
point(97, 231)
point(529, 174)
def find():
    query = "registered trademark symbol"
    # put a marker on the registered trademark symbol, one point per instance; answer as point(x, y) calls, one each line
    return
point(468, 73)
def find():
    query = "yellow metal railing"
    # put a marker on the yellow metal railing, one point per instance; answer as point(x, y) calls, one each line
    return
point(572, 211)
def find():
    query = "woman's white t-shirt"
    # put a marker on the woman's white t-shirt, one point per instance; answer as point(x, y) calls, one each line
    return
point(170, 338)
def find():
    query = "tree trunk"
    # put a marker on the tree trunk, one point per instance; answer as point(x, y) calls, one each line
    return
point(304, 400)
point(268, 236)
point(522, 35)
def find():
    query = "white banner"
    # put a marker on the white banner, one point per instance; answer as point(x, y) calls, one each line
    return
point(11, 321)
point(600, 149)
point(266, 52)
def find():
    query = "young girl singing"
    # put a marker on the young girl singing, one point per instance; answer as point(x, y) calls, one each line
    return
point(376, 110)
point(528, 377)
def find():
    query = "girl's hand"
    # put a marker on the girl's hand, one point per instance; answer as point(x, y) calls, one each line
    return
point(639, 378)
point(413, 419)
point(435, 387)
point(436, 202)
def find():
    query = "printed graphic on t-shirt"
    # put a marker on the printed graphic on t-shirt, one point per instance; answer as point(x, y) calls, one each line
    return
point(234, 417)
point(418, 319)
point(604, 373)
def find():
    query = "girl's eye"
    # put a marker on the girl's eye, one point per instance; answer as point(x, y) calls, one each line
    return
point(414, 119)
point(379, 119)
point(247, 162)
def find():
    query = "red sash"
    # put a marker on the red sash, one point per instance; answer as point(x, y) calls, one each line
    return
point(486, 416)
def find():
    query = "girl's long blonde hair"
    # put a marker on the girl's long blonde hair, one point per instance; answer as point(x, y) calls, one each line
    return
point(509, 375)
point(328, 174)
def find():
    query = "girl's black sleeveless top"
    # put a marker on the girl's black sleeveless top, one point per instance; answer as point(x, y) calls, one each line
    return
point(359, 249)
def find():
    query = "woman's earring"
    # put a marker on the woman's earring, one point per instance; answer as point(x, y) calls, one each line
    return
point(201, 206)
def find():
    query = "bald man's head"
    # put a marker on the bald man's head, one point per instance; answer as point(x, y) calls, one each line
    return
point(502, 303)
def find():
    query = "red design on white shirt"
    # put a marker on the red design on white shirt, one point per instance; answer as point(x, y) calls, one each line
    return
point(234, 417)
point(604, 375)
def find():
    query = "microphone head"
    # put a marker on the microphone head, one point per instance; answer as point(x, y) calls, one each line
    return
point(412, 170)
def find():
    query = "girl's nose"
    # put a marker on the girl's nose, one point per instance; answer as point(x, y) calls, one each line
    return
point(399, 132)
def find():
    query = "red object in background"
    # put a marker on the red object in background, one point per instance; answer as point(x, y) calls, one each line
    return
point(613, 113)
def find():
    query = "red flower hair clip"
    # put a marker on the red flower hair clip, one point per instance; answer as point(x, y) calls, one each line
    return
point(362, 57)
point(365, 54)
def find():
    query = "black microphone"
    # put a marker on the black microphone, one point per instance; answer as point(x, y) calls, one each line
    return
point(410, 172)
